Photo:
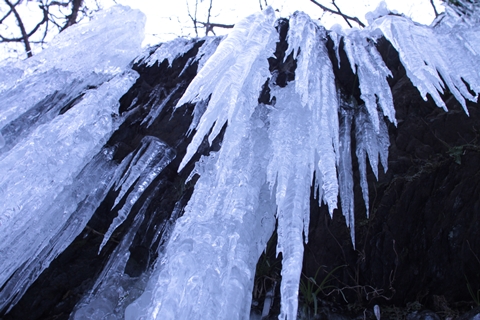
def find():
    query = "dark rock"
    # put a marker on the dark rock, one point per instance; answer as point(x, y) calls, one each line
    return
point(422, 237)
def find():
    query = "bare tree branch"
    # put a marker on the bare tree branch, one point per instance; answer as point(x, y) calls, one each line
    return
point(194, 18)
point(208, 26)
point(434, 8)
point(72, 18)
point(48, 9)
point(8, 13)
point(24, 38)
point(339, 12)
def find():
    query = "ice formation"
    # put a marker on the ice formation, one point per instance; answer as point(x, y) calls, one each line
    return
point(56, 168)
point(54, 153)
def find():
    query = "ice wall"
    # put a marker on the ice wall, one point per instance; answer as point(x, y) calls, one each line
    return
point(58, 110)
point(44, 179)
point(308, 145)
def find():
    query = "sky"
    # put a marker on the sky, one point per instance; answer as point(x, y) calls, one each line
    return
point(168, 19)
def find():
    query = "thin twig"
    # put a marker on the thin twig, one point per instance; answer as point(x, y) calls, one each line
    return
point(338, 12)
point(194, 18)
point(434, 8)
point(208, 26)
point(24, 38)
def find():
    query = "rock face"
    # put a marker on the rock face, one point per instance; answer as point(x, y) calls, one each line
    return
point(420, 243)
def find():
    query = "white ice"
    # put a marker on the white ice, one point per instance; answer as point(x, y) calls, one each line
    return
point(44, 179)
point(270, 155)
point(431, 63)
point(77, 53)
point(38, 169)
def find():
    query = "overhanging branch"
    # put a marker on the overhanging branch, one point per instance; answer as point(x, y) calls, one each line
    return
point(340, 13)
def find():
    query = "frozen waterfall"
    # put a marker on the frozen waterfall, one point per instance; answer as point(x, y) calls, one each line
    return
point(74, 147)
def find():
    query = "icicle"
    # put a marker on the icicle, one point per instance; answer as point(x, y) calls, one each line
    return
point(370, 143)
point(345, 173)
point(68, 92)
point(158, 103)
point(367, 63)
point(308, 111)
point(315, 84)
point(241, 56)
point(113, 286)
point(152, 157)
point(67, 217)
point(336, 35)
point(207, 50)
point(77, 53)
point(52, 156)
point(167, 51)
point(209, 264)
point(427, 62)
point(292, 165)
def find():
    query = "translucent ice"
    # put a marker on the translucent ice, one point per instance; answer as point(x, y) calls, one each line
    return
point(372, 72)
point(52, 156)
point(58, 110)
point(430, 65)
point(168, 51)
point(345, 171)
point(209, 264)
point(38, 243)
point(77, 53)
point(232, 76)
point(230, 216)
point(371, 143)
point(151, 158)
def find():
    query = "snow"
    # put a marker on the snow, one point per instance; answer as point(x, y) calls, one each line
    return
point(56, 169)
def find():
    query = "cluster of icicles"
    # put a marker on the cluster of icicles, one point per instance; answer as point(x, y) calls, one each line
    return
point(262, 174)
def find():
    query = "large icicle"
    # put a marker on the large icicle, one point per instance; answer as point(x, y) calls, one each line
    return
point(77, 53)
point(315, 83)
point(51, 157)
point(305, 139)
point(291, 172)
point(240, 56)
point(209, 263)
point(66, 218)
point(230, 216)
